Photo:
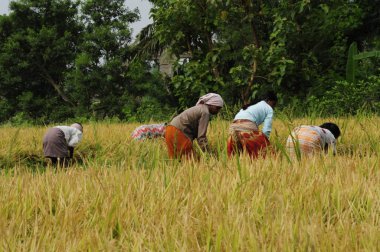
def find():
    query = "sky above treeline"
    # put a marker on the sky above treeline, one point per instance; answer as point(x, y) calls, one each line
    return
point(143, 6)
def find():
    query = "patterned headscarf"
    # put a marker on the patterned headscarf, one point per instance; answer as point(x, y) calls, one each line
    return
point(77, 126)
point(211, 99)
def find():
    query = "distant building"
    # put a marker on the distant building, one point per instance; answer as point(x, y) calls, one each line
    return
point(167, 60)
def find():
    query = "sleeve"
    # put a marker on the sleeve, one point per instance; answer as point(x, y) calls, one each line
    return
point(267, 128)
point(202, 130)
point(75, 138)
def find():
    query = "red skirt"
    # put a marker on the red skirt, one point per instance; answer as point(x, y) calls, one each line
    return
point(252, 142)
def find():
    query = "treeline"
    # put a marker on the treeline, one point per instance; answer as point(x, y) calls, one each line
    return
point(62, 59)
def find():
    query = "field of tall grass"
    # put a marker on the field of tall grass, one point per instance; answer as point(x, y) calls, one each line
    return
point(125, 195)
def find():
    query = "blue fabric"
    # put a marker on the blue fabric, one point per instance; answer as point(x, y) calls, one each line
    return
point(259, 113)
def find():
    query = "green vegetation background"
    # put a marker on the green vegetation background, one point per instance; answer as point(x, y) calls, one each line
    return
point(61, 60)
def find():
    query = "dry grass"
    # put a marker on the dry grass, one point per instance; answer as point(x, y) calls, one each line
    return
point(125, 195)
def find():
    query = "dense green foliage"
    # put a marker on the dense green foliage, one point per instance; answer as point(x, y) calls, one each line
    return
point(63, 58)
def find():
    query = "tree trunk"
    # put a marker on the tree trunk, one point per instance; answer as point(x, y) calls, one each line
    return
point(50, 80)
point(256, 43)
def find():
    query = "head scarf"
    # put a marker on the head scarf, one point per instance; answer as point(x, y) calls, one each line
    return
point(77, 126)
point(211, 99)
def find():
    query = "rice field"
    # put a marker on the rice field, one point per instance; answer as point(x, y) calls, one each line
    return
point(125, 195)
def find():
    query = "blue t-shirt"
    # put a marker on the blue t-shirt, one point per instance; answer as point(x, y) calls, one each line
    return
point(259, 113)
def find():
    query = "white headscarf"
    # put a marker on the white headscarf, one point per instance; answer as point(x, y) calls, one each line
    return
point(77, 126)
point(211, 99)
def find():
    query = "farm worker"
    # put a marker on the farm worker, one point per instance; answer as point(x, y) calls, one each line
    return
point(149, 131)
point(192, 124)
point(59, 142)
point(313, 139)
point(244, 132)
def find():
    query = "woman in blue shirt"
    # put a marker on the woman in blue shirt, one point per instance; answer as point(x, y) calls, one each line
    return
point(244, 133)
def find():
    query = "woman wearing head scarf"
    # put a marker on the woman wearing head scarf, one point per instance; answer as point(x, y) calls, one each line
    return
point(192, 124)
point(244, 133)
point(59, 142)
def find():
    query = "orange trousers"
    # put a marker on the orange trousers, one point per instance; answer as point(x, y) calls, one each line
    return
point(178, 144)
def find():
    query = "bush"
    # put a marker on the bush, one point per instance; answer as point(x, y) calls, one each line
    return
point(346, 97)
point(148, 109)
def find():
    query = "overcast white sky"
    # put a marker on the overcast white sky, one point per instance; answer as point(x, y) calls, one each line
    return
point(143, 6)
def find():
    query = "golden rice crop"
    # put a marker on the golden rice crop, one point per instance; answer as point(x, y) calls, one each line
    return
point(126, 195)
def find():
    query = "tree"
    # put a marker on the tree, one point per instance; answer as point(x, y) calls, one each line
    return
point(58, 62)
point(228, 41)
point(38, 45)
point(98, 78)
point(240, 48)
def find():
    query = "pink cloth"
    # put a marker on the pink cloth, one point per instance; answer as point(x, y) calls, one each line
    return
point(149, 131)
